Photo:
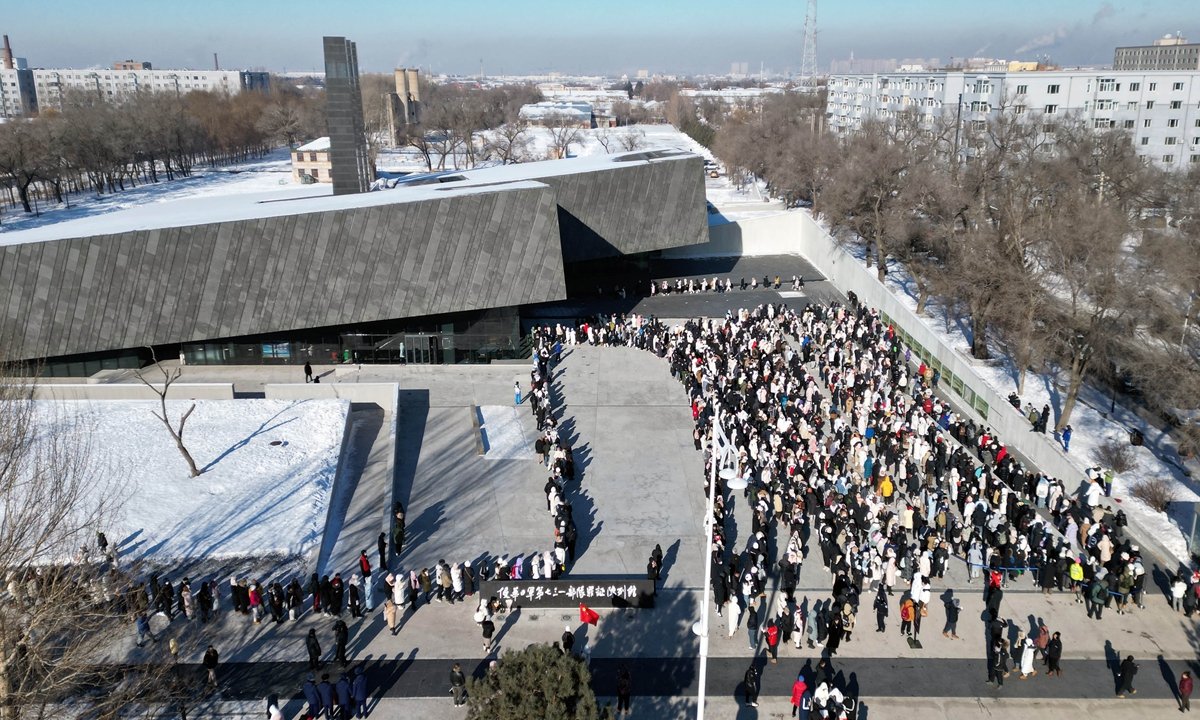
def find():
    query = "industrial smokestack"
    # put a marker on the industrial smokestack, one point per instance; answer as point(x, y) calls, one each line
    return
point(216, 65)
point(8, 57)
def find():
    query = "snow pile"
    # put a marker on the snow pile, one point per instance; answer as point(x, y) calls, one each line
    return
point(503, 437)
point(1090, 428)
point(253, 498)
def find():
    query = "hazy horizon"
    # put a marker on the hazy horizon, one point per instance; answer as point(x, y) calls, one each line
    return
point(528, 37)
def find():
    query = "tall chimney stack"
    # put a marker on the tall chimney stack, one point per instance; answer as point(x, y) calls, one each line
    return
point(216, 65)
point(8, 58)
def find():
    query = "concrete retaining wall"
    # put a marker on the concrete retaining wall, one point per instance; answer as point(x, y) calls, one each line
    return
point(382, 394)
point(132, 391)
point(385, 395)
point(767, 235)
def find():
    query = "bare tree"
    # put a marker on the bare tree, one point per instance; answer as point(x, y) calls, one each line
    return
point(1101, 283)
point(632, 139)
point(564, 132)
point(169, 377)
point(605, 139)
point(509, 143)
point(66, 606)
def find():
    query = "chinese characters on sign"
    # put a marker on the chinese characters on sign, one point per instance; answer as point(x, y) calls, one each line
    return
point(600, 592)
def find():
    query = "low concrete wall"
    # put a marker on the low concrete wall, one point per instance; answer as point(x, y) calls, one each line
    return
point(316, 564)
point(382, 394)
point(771, 234)
point(132, 391)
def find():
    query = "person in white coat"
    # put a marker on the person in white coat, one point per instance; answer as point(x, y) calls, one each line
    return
point(733, 613)
point(1028, 651)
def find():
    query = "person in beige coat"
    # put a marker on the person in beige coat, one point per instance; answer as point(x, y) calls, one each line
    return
point(389, 615)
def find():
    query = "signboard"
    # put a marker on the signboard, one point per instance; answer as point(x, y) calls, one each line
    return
point(595, 592)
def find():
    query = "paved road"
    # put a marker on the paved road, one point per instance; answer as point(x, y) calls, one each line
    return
point(673, 677)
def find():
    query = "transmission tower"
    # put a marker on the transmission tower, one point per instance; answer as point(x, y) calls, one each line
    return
point(808, 65)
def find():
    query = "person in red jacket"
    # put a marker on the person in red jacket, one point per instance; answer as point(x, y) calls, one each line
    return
point(798, 689)
point(1185, 692)
point(773, 640)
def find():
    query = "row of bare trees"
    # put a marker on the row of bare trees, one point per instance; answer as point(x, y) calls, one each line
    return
point(97, 146)
point(64, 620)
point(1031, 231)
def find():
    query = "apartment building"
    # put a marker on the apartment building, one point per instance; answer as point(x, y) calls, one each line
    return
point(1169, 53)
point(1161, 109)
point(50, 84)
point(17, 96)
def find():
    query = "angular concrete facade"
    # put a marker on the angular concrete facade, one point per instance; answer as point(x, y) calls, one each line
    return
point(635, 207)
point(276, 264)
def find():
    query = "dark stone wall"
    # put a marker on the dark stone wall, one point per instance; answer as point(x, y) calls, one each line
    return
point(631, 208)
point(494, 248)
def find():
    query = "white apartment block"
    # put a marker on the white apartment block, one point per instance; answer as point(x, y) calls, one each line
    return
point(108, 83)
point(1161, 110)
point(17, 96)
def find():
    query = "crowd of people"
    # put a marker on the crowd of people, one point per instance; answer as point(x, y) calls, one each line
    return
point(844, 445)
point(691, 286)
point(843, 441)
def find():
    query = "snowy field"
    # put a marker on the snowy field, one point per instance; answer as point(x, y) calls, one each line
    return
point(1091, 428)
point(272, 173)
point(252, 498)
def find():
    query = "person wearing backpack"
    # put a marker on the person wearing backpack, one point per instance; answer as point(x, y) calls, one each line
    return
point(907, 611)
point(772, 634)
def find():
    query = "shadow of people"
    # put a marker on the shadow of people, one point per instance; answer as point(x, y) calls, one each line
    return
point(509, 622)
point(1112, 661)
point(1169, 676)
point(669, 561)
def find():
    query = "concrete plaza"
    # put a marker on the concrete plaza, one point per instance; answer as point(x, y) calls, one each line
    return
point(640, 484)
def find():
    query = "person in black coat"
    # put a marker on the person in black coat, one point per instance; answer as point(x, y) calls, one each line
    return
point(326, 595)
point(355, 610)
point(751, 681)
point(210, 664)
point(338, 593)
point(341, 635)
point(314, 650)
point(314, 589)
point(1054, 650)
point(568, 640)
point(951, 628)
point(295, 598)
point(383, 550)
point(1128, 669)
point(881, 611)
point(652, 569)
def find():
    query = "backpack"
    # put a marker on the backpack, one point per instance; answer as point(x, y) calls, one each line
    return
point(906, 612)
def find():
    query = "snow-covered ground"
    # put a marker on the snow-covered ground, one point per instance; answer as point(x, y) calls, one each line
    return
point(1090, 428)
point(252, 498)
point(503, 436)
point(272, 173)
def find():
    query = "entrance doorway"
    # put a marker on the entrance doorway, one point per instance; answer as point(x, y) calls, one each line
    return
point(423, 349)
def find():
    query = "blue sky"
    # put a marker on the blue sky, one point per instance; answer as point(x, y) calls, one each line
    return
point(613, 37)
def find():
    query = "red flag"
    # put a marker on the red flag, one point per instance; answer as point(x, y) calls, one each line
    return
point(588, 615)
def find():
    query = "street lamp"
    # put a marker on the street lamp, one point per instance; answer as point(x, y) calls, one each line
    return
point(723, 466)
